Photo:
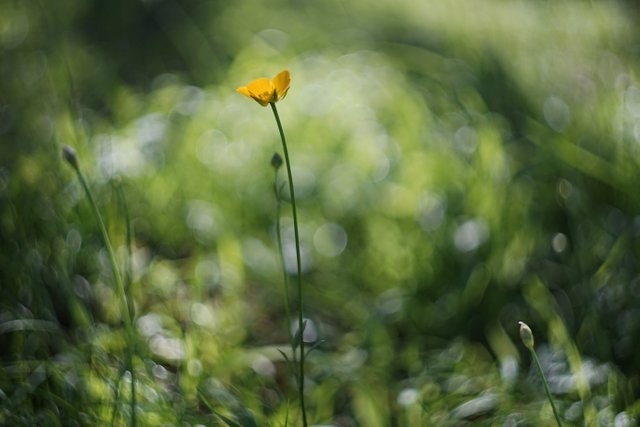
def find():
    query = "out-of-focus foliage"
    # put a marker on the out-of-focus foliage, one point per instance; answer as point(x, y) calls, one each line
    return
point(460, 166)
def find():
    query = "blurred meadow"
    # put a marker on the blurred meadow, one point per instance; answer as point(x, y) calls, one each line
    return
point(459, 166)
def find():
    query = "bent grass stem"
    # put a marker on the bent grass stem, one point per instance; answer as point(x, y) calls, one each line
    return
point(546, 386)
point(126, 309)
point(527, 339)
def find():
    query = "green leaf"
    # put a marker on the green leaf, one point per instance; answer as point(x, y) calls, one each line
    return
point(298, 336)
point(314, 346)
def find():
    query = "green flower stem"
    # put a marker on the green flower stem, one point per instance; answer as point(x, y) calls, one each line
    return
point(546, 386)
point(126, 308)
point(282, 265)
point(298, 264)
point(128, 271)
point(127, 292)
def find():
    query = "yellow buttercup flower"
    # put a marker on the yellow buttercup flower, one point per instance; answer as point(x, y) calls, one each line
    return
point(265, 91)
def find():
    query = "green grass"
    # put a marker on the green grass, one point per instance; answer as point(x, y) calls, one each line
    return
point(459, 166)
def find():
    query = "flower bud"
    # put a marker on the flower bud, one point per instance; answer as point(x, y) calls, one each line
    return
point(526, 335)
point(69, 155)
point(276, 161)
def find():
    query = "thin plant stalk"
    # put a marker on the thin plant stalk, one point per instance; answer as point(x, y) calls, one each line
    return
point(546, 386)
point(71, 158)
point(128, 280)
point(527, 339)
point(298, 265)
point(128, 273)
point(285, 275)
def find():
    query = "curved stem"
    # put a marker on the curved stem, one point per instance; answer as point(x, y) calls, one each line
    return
point(110, 251)
point(298, 264)
point(546, 386)
point(285, 275)
point(127, 310)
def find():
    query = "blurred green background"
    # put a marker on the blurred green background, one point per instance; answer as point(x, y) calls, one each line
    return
point(459, 166)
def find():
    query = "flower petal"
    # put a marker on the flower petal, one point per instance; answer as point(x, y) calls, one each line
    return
point(244, 90)
point(261, 87)
point(265, 91)
point(261, 90)
point(281, 84)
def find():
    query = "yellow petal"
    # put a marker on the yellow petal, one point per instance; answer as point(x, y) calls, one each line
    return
point(281, 84)
point(261, 101)
point(244, 90)
point(261, 90)
point(265, 91)
point(259, 85)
